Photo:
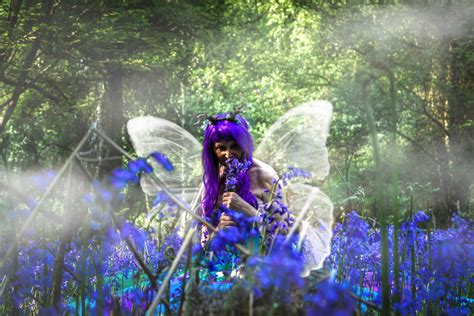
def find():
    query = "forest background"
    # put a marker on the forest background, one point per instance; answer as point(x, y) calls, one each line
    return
point(400, 70)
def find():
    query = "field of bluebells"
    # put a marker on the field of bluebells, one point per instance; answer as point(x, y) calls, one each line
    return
point(97, 262)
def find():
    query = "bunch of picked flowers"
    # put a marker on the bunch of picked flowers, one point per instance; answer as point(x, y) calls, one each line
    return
point(232, 172)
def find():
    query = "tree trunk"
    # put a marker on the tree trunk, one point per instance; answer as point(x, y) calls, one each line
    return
point(461, 111)
point(444, 201)
point(112, 116)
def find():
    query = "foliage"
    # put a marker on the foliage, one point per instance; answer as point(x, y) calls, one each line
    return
point(112, 265)
point(174, 59)
point(398, 73)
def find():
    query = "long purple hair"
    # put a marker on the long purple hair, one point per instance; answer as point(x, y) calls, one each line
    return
point(228, 131)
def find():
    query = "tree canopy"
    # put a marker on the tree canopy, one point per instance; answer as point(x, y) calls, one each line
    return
point(399, 70)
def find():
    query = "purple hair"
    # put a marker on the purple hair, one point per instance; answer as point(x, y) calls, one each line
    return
point(226, 130)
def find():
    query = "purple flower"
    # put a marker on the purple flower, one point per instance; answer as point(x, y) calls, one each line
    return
point(121, 177)
point(104, 194)
point(281, 269)
point(271, 211)
point(139, 165)
point(52, 311)
point(233, 171)
point(161, 197)
point(136, 235)
point(42, 180)
point(420, 217)
point(163, 160)
point(294, 172)
point(133, 298)
point(242, 221)
point(226, 237)
point(234, 234)
point(331, 299)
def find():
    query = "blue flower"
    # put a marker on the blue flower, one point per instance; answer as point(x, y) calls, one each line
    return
point(331, 299)
point(42, 180)
point(234, 234)
point(121, 177)
point(420, 217)
point(242, 221)
point(163, 160)
point(233, 171)
point(139, 165)
point(281, 269)
point(294, 172)
point(52, 311)
point(226, 237)
point(161, 197)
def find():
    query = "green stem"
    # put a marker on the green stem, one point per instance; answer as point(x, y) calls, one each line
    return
point(183, 284)
point(413, 269)
point(379, 198)
point(394, 198)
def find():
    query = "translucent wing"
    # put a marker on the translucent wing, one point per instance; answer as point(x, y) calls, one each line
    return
point(298, 139)
point(316, 229)
point(149, 134)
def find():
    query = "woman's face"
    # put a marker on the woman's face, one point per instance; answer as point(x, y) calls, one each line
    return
point(225, 149)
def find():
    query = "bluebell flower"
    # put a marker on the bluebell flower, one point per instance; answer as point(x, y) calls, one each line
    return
point(294, 172)
point(30, 202)
point(234, 169)
point(172, 241)
point(457, 311)
point(139, 165)
point(330, 299)
point(88, 198)
point(420, 217)
point(106, 296)
point(52, 311)
point(106, 195)
point(161, 197)
point(244, 230)
point(163, 160)
point(94, 225)
point(42, 180)
point(121, 177)
point(281, 269)
point(197, 248)
point(242, 221)
point(136, 235)
point(133, 299)
point(226, 237)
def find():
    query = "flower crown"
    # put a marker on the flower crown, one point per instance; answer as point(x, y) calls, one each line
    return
point(212, 119)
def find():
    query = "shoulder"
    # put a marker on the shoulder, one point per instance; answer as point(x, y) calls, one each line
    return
point(263, 173)
point(263, 181)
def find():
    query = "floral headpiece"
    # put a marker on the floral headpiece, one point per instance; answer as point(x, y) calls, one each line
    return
point(212, 119)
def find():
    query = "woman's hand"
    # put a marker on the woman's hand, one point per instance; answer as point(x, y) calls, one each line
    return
point(233, 201)
point(225, 221)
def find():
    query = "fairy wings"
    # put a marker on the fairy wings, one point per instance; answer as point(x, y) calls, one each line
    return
point(295, 142)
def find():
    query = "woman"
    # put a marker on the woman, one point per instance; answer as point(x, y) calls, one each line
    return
point(227, 136)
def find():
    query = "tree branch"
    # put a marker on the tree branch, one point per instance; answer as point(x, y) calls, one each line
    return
point(29, 85)
point(425, 110)
point(28, 62)
point(411, 140)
